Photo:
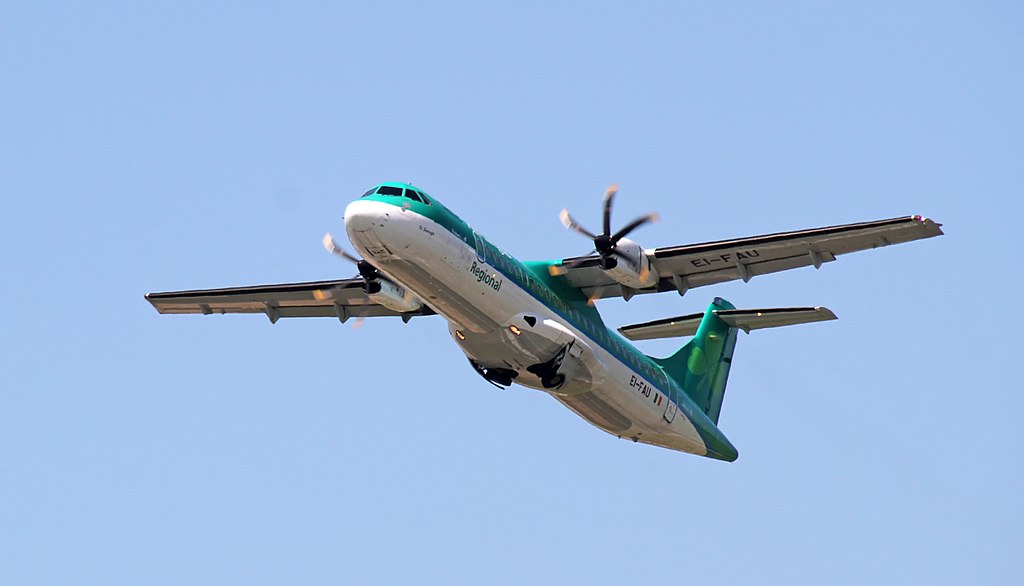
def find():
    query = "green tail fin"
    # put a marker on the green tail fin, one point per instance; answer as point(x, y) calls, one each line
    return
point(701, 367)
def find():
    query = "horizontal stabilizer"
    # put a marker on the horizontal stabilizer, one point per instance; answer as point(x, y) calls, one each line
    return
point(744, 319)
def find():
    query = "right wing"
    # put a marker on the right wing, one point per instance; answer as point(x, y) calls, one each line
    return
point(341, 299)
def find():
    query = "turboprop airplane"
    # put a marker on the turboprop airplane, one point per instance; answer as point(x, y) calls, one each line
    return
point(536, 324)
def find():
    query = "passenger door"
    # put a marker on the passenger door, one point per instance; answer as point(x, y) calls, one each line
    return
point(670, 411)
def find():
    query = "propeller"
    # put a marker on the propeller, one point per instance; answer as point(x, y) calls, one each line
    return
point(605, 242)
point(367, 271)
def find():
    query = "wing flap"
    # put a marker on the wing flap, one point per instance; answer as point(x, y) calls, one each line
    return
point(842, 239)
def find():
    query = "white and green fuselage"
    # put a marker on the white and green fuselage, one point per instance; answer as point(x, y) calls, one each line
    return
point(517, 322)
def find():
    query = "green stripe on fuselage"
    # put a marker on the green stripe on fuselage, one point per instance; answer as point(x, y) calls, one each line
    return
point(558, 295)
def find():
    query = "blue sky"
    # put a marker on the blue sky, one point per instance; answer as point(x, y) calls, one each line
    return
point(183, 146)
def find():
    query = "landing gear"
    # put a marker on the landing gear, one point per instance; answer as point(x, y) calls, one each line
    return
point(554, 382)
point(550, 378)
point(499, 377)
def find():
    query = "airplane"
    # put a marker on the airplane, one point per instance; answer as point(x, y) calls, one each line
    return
point(535, 323)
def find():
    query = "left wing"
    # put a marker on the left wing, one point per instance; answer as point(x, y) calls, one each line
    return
point(681, 268)
point(341, 299)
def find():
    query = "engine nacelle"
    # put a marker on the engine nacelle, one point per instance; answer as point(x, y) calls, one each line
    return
point(633, 269)
point(392, 296)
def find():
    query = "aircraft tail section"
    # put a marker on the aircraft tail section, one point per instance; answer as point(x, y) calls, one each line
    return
point(701, 367)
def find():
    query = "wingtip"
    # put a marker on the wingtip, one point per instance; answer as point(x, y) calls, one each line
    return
point(925, 221)
point(828, 313)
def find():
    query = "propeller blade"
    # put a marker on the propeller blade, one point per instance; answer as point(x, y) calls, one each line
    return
point(644, 272)
point(329, 244)
point(571, 224)
point(634, 225)
point(333, 248)
point(609, 195)
point(563, 268)
point(597, 294)
point(605, 243)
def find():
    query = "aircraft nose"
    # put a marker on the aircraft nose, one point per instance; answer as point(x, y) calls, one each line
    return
point(362, 215)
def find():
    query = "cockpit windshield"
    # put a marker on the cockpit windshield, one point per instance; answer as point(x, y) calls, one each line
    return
point(407, 193)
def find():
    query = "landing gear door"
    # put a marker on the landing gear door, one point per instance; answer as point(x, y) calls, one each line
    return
point(375, 248)
point(670, 411)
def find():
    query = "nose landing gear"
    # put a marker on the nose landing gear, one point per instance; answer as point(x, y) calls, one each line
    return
point(499, 377)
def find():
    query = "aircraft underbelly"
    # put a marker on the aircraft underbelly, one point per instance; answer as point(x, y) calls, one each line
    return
point(436, 293)
point(481, 305)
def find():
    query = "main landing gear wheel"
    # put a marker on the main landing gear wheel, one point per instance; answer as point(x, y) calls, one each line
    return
point(553, 382)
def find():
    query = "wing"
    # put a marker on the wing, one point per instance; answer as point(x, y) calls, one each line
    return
point(341, 299)
point(695, 265)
